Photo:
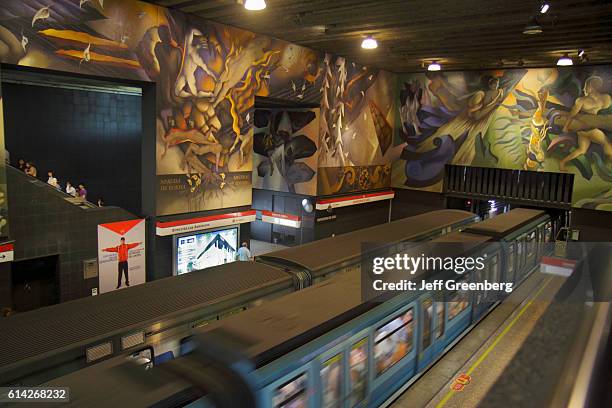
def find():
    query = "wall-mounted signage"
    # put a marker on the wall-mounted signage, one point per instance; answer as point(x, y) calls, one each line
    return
point(6, 252)
point(326, 203)
point(196, 224)
point(288, 220)
point(121, 255)
point(327, 218)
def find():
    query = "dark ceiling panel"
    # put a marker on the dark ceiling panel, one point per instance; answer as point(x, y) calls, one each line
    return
point(466, 34)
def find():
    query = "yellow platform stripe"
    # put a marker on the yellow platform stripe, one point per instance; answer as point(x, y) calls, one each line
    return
point(484, 355)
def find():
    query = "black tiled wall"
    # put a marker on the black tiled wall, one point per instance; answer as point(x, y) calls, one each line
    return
point(84, 136)
point(43, 223)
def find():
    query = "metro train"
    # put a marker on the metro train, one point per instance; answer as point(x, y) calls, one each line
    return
point(143, 321)
point(325, 346)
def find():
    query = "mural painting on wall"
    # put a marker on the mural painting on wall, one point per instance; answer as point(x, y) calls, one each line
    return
point(4, 229)
point(357, 111)
point(546, 119)
point(207, 76)
point(285, 146)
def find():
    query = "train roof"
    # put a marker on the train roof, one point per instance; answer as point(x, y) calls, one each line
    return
point(276, 327)
point(325, 253)
point(88, 319)
point(504, 224)
point(262, 334)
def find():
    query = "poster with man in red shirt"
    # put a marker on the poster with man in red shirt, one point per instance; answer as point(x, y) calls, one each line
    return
point(121, 255)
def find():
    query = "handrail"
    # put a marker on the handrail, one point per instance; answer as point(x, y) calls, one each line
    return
point(41, 183)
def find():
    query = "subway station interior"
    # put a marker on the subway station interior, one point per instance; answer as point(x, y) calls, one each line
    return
point(304, 204)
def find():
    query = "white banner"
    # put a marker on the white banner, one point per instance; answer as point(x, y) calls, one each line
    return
point(121, 255)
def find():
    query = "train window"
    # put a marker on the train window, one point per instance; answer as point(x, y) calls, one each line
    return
point(548, 232)
point(458, 301)
point(494, 269)
point(291, 394)
point(510, 260)
point(440, 319)
point(331, 379)
point(358, 372)
point(143, 358)
point(393, 341)
point(427, 320)
point(531, 244)
point(519, 253)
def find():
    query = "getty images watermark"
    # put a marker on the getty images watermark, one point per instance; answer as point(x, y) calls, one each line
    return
point(412, 265)
point(473, 268)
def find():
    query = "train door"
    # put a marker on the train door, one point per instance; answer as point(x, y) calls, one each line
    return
point(458, 312)
point(331, 380)
point(394, 351)
point(439, 326)
point(479, 303)
point(509, 252)
point(358, 369)
point(427, 350)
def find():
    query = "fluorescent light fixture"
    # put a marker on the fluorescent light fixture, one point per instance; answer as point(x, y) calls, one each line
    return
point(255, 5)
point(369, 43)
point(565, 61)
point(544, 8)
point(434, 66)
point(581, 53)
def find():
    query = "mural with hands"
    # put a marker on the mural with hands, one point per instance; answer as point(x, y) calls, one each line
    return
point(546, 119)
point(206, 75)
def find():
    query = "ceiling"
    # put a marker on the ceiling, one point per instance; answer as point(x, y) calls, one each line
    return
point(460, 34)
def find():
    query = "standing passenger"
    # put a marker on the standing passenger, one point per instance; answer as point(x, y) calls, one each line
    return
point(31, 169)
point(52, 180)
point(82, 191)
point(70, 189)
point(243, 253)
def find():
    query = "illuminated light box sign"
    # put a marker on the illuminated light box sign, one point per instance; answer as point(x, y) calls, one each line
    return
point(6, 253)
point(327, 203)
point(287, 220)
point(195, 224)
point(205, 249)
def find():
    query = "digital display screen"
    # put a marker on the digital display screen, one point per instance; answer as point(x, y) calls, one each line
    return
point(203, 250)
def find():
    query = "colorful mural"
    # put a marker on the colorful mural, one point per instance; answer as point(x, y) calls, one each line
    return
point(285, 146)
point(206, 74)
point(546, 119)
point(4, 228)
point(357, 118)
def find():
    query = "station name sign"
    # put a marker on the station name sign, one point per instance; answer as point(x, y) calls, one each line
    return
point(195, 224)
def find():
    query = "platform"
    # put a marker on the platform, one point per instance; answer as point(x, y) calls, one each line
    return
point(466, 374)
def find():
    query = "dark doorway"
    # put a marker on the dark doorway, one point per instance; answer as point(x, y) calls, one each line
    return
point(34, 283)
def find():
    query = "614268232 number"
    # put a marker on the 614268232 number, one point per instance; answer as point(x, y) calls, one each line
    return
point(31, 394)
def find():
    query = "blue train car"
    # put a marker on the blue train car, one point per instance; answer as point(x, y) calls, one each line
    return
point(325, 346)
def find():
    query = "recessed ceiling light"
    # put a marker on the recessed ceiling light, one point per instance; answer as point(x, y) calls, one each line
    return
point(544, 8)
point(255, 5)
point(434, 66)
point(533, 27)
point(565, 61)
point(369, 43)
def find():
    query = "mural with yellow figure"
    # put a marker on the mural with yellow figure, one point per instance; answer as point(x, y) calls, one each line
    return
point(206, 75)
point(546, 119)
point(357, 119)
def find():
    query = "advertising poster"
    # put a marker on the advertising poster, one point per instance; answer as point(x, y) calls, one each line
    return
point(121, 254)
point(206, 249)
